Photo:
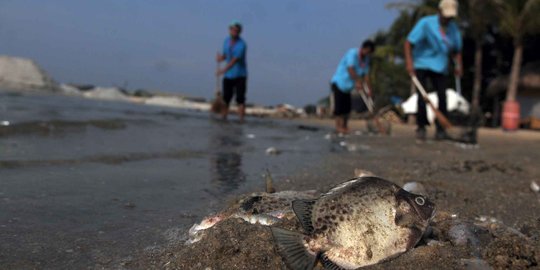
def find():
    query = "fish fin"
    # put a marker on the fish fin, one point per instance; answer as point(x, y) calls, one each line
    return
point(329, 264)
point(291, 247)
point(269, 182)
point(302, 209)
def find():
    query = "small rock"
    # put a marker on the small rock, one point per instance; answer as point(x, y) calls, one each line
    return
point(361, 173)
point(461, 234)
point(535, 187)
point(434, 243)
point(415, 187)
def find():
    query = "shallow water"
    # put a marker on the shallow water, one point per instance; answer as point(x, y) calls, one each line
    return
point(85, 183)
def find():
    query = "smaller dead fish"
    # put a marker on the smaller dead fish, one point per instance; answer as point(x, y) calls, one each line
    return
point(265, 220)
point(257, 208)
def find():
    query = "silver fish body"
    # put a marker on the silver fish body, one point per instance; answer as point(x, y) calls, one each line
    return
point(358, 223)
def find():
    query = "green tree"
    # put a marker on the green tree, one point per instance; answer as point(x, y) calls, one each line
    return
point(477, 14)
point(517, 19)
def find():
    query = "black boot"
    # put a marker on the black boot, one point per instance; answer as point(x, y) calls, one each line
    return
point(441, 135)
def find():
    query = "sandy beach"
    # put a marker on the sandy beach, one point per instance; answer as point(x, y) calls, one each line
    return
point(487, 215)
point(75, 193)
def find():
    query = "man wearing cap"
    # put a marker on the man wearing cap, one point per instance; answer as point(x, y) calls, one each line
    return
point(429, 45)
point(235, 72)
point(351, 73)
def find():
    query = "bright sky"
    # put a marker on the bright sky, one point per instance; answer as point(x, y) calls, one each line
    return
point(294, 46)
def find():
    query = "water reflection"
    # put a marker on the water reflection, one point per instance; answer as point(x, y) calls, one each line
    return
point(225, 146)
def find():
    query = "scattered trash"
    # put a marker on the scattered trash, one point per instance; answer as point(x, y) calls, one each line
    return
point(328, 136)
point(416, 188)
point(272, 151)
point(250, 136)
point(484, 219)
point(467, 145)
point(129, 205)
point(353, 147)
point(310, 128)
point(4, 123)
point(535, 187)
point(476, 264)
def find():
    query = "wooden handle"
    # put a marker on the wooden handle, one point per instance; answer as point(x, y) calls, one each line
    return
point(438, 114)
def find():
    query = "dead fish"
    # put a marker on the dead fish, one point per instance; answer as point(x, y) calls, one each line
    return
point(358, 223)
point(256, 208)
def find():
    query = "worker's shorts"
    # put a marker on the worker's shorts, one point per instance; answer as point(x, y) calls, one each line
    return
point(342, 101)
point(236, 86)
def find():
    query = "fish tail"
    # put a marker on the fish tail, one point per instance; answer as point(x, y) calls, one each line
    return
point(291, 247)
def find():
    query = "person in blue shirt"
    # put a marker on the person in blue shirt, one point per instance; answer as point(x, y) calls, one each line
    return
point(235, 72)
point(428, 49)
point(351, 73)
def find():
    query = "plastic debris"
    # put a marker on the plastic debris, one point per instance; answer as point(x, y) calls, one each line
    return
point(272, 151)
point(535, 187)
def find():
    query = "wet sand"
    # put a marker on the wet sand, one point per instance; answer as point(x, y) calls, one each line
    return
point(487, 214)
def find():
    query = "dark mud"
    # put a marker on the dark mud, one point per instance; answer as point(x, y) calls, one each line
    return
point(487, 217)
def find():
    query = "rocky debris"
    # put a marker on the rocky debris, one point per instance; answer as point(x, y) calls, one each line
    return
point(23, 74)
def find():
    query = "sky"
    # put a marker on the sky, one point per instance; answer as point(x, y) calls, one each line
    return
point(294, 46)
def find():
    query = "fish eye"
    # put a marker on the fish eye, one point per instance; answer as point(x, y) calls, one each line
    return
point(420, 200)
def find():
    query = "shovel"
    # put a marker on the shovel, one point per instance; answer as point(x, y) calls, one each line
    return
point(369, 104)
point(218, 105)
point(458, 84)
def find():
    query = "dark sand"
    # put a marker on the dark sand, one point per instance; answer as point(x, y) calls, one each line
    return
point(465, 184)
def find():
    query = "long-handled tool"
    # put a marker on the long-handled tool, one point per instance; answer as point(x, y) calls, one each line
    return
point(458, 84)
point(371, 108)
point(438, 114)
point(218, 105)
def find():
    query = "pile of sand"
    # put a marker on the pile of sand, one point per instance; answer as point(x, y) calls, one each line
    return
point(22, 74)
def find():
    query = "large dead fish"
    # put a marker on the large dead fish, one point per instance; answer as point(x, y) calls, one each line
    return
point(358, 223)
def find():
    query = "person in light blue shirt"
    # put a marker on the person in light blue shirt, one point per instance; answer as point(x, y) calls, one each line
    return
point(428, 48)
point(235, 72)
point(351, 73)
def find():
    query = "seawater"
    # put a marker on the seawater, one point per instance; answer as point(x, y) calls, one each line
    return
point(86, 182)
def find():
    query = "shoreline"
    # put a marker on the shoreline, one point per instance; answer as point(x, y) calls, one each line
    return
point(481, 193)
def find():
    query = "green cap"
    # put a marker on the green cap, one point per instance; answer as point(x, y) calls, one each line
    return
point(236, 23)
